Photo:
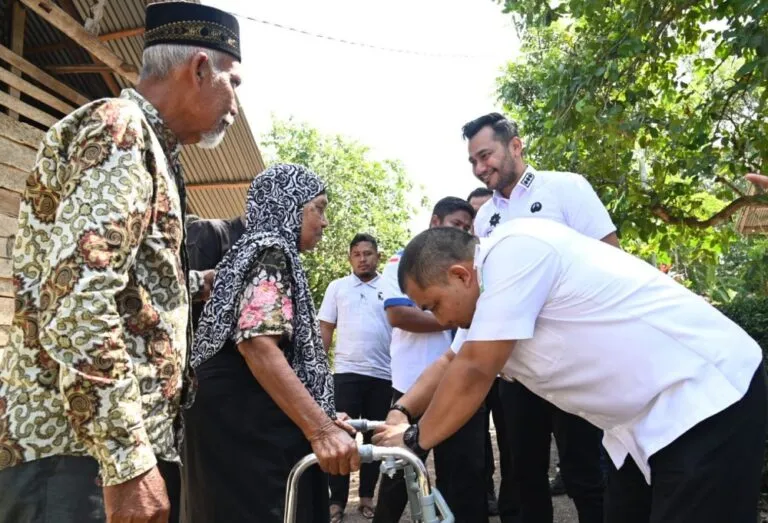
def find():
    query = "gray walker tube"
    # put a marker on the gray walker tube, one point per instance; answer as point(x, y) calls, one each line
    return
point(425, 502)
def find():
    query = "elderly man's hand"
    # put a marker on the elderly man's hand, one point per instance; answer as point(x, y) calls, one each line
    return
point(390, 435)
point(758, 179)
point(208, 277)
point(335, 449)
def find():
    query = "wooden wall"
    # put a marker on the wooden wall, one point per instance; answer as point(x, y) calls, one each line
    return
point(18, 147)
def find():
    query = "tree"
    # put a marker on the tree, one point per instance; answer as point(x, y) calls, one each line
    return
point(660, 103)
point(364, 195)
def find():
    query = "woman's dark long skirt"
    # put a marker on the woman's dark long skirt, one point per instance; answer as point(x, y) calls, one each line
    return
point(239, 449)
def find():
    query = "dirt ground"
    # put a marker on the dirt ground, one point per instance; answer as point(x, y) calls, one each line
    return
point(564, 510)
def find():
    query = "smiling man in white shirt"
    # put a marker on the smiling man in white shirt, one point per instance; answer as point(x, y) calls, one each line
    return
point(520, 191)
point(677, 387)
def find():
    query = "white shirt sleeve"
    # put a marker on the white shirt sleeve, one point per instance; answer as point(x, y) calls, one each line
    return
point(585, 212)
point(518, 275)
point(458, 340)
point(393, 296)
point(329, 311)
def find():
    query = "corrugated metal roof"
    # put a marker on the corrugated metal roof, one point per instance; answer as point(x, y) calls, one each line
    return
point(753, 220)
point(237, 159)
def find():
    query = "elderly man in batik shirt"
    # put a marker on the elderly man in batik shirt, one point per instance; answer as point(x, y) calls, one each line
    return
point(91, 385)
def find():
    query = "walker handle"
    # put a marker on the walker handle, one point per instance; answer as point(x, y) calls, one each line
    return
point(364, 425)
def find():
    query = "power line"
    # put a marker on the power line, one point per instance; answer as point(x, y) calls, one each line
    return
point(358, 44)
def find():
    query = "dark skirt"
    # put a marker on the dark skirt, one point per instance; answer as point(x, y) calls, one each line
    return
point(239, 449)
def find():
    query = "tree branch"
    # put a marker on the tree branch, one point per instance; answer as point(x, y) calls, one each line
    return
point(729, 184)
point(669, 216)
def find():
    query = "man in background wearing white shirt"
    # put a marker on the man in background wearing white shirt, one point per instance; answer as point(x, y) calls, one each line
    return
point(678, 388)
point(417, 341)
point(362, 379)
point(496, 155)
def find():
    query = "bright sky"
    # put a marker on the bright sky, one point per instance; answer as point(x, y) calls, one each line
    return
point(404, 107)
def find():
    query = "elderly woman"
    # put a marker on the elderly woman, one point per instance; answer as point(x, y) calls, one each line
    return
point(265, 395)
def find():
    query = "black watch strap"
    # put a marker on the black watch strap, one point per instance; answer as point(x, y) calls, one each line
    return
point(411, 440)
point(402, 409)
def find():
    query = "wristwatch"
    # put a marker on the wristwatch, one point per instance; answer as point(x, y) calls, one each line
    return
point(402, 409)
point(411, 440)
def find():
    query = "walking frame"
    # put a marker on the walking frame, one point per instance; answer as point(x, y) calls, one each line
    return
point(426, 503)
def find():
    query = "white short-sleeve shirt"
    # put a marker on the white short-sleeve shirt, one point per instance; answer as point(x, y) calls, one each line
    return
point(605, 336)
point(410, 352)
point(564, 197)
point(363, 333)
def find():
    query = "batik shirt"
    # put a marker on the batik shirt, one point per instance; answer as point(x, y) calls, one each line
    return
point(98, 342)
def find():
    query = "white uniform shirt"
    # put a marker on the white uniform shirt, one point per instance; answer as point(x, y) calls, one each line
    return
point(363, 333)
point(411, 352)
point(607, 337)
point(564, 197)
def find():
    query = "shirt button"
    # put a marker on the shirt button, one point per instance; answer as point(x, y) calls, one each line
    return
point(550, 396)
point(582, 414)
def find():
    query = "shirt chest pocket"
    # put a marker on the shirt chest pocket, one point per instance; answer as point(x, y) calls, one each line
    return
point(539, 358)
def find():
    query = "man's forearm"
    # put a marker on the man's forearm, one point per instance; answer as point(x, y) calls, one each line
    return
point(411, 319)
point(462, 390)
point(420, 394)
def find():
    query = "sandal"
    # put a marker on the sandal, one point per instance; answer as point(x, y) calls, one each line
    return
point(365, 511)
point(337, 516)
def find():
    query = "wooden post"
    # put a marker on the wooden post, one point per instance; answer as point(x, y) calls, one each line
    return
point(18, 22)
point(58, 18)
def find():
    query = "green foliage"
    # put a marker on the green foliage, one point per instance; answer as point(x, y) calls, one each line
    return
point(660, 103)
point(364, 196)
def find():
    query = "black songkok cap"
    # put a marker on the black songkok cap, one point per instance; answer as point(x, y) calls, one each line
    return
point(198, 25)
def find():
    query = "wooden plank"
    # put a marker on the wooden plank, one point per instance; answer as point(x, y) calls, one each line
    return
point(17, 156)
point(20, 132)
point(6, 251)
point(58, 18)
point(9, 202)
point(13, 179)
point(109, 80)
point(6, 310)
point(77, 68)
point(6, 267)
point(34, 91)
point(106, 37)
point(215, 186)
point(6, 287)
point(18, 22)
point(8, 225)
point(41, 76)
point(33, 113)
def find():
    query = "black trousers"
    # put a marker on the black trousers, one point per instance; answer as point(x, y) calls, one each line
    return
point(530, 422)
point(65, 489)
point(509, 490)
point(460, 471)
point(361, 397)
point(710, 474)
point(239, 450)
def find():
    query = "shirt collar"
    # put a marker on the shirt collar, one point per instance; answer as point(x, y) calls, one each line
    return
point(520, 186)
point(359, 282)
point(168, 140)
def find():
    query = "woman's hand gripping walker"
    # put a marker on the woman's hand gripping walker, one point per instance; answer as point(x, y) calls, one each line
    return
point(426, 503)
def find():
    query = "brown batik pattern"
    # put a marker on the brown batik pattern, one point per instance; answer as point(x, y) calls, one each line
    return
point(98, 342)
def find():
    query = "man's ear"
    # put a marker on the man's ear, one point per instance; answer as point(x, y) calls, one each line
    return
point(462, 272)
point(199, 67)
point(434, 221)
point(515, 146)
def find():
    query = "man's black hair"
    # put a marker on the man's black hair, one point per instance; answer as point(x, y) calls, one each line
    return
point(480, 192)
point(427, 257)
point(363, 237)
point(450, 205)
point(503, 129)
